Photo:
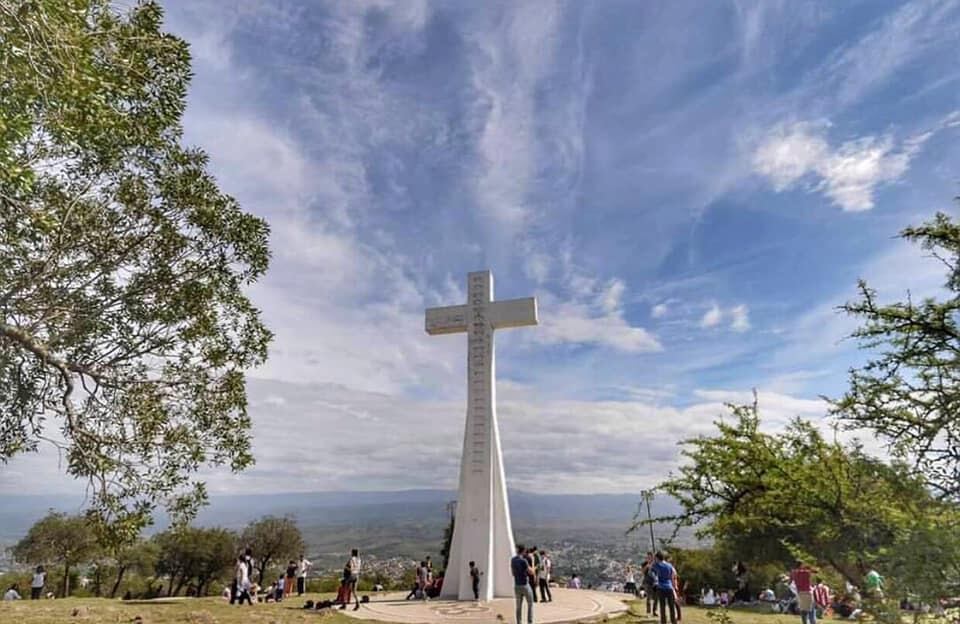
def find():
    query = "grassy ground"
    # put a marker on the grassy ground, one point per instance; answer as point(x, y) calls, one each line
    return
point(696, 615)
point(182, 611)
point(216, 611)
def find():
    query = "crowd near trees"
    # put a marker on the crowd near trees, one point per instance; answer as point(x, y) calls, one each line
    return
point(180, 560)
point(776, 496)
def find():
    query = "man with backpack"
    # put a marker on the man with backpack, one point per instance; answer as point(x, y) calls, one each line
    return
point(649, 584)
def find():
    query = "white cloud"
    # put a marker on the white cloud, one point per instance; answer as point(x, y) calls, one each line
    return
point(849, 175)
point(740, 318)
point(659, 311)
point(592, 313)
point(578, 323)
point(712, 317)
point(302, 433)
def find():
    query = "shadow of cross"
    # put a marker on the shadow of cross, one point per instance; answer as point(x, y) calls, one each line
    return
point(482, 530)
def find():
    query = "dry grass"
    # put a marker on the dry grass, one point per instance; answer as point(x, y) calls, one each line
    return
point(180, 611)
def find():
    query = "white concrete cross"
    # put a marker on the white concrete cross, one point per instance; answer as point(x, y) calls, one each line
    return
point(482, 530)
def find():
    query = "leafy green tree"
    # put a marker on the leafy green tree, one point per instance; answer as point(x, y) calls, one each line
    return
point(195, 556)
point(140, 557)
point(909, 391)
point(273, 540)
point(123, 318)
point(58, 538)
point(779, 497)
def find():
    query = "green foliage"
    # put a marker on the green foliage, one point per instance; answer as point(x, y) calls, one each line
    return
point(140, 557)
point(122, 265)
point(909, 392)
point(60, 539)
point(194, 558)
point(775, 498)
point(274, 541)
point(447, 542)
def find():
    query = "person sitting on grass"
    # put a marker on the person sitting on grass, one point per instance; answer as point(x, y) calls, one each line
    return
point(13, 593)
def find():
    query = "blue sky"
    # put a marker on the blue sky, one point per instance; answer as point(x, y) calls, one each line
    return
point(689, 189)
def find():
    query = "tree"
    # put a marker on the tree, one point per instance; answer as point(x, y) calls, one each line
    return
point(195, 555)
point(140, 557)
point(58, 538)
point(779, 497)
point(272, 540)
point(123, 318)
point(909, 392)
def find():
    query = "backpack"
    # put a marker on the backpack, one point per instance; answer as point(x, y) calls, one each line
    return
point(651, 577)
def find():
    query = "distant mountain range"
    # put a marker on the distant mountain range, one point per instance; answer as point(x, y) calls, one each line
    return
point(315, 510)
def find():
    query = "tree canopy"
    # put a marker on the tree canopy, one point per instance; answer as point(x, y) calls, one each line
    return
point(796, 495)
point(58, 538)
point(909, 391)
point(124, 328)
point(195, 556)
point(273, 540)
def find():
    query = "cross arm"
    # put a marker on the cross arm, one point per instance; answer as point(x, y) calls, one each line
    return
point(514, 313)
point(446, 320)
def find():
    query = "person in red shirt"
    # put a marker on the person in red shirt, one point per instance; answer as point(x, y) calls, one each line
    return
point(802, 578)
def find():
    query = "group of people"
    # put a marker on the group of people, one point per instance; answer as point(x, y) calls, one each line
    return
point(426, 585)
point(661, 586)
point(37, 583)
point(243, 589)
point(531, 569)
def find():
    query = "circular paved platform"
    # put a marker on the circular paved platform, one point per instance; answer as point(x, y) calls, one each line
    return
point(569, 605)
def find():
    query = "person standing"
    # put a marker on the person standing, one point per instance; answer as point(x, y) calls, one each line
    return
point(242, 578)
point(475, 579)
point(665, 593)
point(534, 558)
point(354, 567)
point(649, 583)
point(290, 578)
point(677, 593)
point(801, 578)
point(522, 571)
point(546, 567)
point(37, 583)
point(302, 566)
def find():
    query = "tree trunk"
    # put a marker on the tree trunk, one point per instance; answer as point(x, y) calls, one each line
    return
point(173, 576)
point(263, 568)
point(66, 580)
point(180, 584)
point(116, 584)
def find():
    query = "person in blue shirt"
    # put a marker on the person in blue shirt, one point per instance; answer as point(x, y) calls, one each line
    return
point(522, 573)
point(665, 594)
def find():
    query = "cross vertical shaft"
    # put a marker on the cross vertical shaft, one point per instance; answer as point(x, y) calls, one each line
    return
point(482, 529)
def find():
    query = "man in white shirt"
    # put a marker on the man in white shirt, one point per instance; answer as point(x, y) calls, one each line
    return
point(12, 593)
point(302, 566)
point(546, 568)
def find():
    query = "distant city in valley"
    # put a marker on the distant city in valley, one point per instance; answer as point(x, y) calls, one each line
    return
point(585, 533)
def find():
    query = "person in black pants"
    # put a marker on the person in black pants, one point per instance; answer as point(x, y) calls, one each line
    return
point(546, 567)
point(475, 579)
point(665, 593)
point(649, 584)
